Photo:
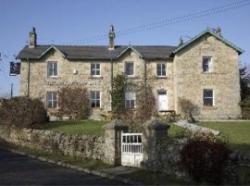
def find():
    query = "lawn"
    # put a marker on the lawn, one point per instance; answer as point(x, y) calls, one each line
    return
point(176, 131)
point(92, 127)
point(89, 127)
point(237, 134)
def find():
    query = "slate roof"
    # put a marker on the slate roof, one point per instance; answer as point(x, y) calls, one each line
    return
point(102, 52)
point(97, 52)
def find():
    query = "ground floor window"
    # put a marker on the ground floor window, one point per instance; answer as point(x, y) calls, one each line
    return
point(52, 99)
point(95, 99)
point(130, 100)
point(208, 97)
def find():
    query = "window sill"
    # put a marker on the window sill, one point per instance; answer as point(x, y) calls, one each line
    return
point(161, 77)
point(95, 77)
point(52, 110)
point(132, 77)
point(207, 72)
point(53, 77)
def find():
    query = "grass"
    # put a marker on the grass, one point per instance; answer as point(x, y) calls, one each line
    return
point(237, 134)
point(92, 127)
point(89, 127)
point(155, 178)
point(176, 131)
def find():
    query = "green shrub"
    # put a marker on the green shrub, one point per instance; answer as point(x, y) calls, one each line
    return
point(22, 112)
point(245, 106)
point(204, 158)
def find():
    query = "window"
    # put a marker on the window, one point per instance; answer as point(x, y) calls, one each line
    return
point(207, 64)
point(208, 97)
point(161, 70)
point(129, 68)
point(130, 100)
point(95, 99)
point(52, 68)
point(52, 99)
point(95, 69)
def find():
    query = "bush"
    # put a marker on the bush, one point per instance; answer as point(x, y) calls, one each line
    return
point(204, 158)
point(188, 109)
point(245, 106)
point(74, 102)
point(119, 84)
point(22, 112)
point(145, 103)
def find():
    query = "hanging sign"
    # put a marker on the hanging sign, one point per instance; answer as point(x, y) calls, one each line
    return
point(14, 68)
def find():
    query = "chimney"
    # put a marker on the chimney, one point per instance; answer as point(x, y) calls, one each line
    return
point(111, 37)
point(181, 42)
point(32, 38)
point(218, 31)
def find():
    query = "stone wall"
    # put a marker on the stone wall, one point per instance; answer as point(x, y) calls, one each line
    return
point(84, 146)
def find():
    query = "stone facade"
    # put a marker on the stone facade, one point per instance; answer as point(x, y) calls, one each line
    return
point(184, 77)
point(224, 79)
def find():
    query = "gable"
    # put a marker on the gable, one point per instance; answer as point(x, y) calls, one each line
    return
point(204, 33)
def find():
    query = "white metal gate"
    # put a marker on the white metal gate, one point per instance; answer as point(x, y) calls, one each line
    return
point(131, 149)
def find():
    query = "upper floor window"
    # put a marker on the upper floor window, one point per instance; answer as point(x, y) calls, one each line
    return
point(52, 99)
point(161, 69)
point(95, 69)
point(52, 68)
point(129, 68)
point(207, 64)
point(95, 99)
point(208, 97)
point(130, 100)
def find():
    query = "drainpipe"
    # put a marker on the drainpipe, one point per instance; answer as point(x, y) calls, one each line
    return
point(145, 77)
point(28, 79)
point(112, 77)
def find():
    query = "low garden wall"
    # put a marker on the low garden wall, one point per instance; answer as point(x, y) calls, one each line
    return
point(84, 146)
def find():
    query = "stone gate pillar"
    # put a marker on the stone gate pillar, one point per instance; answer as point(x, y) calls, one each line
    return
point(154, 136)
point(112, 147)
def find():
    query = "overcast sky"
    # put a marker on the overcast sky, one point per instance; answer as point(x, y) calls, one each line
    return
point(77, 22)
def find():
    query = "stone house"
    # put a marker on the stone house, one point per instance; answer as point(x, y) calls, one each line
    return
point(204, 70)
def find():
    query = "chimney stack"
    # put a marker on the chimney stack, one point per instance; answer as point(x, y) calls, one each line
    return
point(111, 37)
point(218, 31)
point(32, 38)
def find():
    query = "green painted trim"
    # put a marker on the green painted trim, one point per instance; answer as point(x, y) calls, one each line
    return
point(126, 49)
point(208, 31)
point(48, 49)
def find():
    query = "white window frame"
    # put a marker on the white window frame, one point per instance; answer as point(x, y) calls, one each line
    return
point(53, 63)
point(95, 69)
point(130, 100)
point(210, 64)
point(53, 100)
point(161, 70)
point(211, 98)
point(125, 68)
point(95, 99)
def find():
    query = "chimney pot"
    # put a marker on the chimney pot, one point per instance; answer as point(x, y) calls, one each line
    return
point(111, 37)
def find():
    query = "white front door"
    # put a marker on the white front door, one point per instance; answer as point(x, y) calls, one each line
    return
point(162, 102)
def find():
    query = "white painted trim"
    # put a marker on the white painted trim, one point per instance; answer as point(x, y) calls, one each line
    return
point(99, 70)
point(124, 67)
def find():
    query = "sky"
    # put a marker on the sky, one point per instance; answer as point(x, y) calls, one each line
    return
point(78, 22)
